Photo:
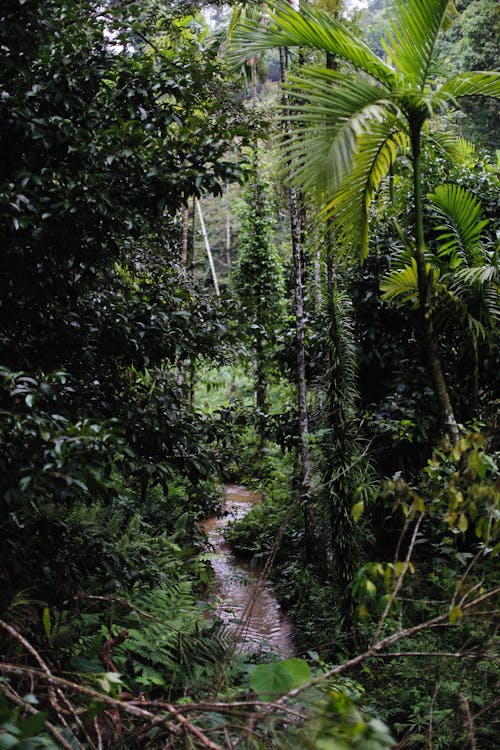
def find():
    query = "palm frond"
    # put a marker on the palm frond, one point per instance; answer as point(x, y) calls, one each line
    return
point(459, 212)
point(450, 308)
point(328, 115)
point(486, 275)
point(473, 83)
point(411, 40)
point(349, 208)
point(309, 27)
point(402, 283)
point(479, 287)
point(451, 146)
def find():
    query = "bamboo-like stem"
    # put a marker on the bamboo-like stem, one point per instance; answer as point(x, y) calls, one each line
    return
point(424, 287)
point(207, 247)
point(227, 206)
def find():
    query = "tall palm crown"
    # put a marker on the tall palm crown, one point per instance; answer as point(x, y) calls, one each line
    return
point(348, 127)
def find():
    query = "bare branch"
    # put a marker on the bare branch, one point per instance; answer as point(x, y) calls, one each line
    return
point(400, 579)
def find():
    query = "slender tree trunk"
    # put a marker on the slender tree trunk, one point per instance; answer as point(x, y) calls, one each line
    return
point(185, 242)
point(424, 289)
point(306, 470)
point(207, 248)
point(260, 377)
point(180, 378)
point(475, 376)
point(191, 245)
point(228, 227)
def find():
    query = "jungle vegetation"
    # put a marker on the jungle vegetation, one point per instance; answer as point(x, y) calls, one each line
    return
point(252, 243)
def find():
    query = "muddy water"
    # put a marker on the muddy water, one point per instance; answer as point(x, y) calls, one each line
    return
point(246, 602)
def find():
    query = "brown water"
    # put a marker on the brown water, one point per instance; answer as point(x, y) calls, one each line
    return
point(247, 603)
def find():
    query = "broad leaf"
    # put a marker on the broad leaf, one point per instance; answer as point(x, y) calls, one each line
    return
point(271, 680)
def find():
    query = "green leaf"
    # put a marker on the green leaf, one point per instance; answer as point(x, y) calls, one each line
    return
point(272, 680)
point(311, 27)
point(473, 83)
point(463, 523)
point(357, 510)
point(411, 41)
point(32, 724)
point(110, 683)
point(370, 589)
point(8, 740)
point(47, 624)
point(459, 212)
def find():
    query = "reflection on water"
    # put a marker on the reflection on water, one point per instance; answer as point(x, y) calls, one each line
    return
point(246, 602)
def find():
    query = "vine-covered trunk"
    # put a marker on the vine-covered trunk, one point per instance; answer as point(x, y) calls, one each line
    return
point(305, 453)
point(429, 338)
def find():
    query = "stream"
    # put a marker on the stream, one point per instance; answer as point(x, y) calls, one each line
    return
point(247, 603)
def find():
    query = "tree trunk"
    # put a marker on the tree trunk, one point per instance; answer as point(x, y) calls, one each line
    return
point(228, 227)
point(306, 470)
point(207, 248)
point(424, 289)
point(185, 242)
point(180, 378)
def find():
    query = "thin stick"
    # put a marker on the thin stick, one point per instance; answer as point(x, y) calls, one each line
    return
point(469, 722)
point(207, 247)
point(52, 694)
point(400, 579)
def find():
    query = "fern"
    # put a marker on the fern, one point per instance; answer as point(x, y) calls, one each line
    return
point(168, 646)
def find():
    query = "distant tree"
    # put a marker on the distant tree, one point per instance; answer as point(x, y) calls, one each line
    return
point(477, 49)
point(258, 279)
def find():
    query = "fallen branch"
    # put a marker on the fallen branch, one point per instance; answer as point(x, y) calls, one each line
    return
point(11, 694)
point(128, 708)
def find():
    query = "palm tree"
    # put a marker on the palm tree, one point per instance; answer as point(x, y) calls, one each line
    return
point(349, 127)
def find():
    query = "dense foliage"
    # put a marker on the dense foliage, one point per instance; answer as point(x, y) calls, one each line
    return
point(129, 392)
